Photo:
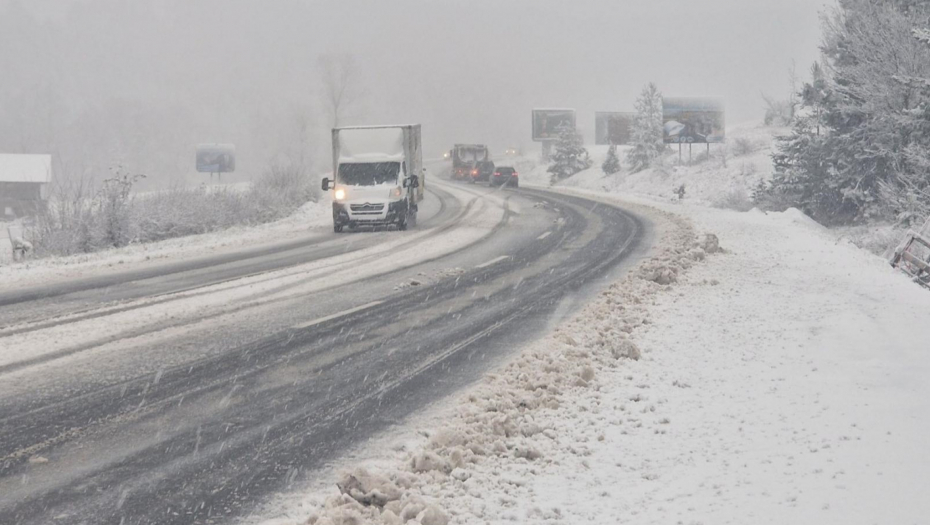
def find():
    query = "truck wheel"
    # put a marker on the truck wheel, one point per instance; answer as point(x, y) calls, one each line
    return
point(337, 228)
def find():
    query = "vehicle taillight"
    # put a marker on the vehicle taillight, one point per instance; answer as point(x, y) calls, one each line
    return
point(515, 174)
point(497, 174)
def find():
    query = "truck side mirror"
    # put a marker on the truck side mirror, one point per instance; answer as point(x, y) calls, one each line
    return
point(414, 181)
point(325, 185)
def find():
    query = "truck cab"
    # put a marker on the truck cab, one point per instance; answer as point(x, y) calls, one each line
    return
point(378, 179)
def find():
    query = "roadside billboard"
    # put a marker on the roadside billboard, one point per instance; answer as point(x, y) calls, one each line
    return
point(546, 123)
point(612, 127)
point(693, 120)
point(216, 158)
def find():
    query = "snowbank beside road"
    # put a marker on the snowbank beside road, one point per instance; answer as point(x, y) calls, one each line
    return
point(781, 381)
point(312, 216)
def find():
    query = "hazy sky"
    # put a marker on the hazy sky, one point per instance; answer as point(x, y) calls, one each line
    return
point(468, 70)
point(486, 64)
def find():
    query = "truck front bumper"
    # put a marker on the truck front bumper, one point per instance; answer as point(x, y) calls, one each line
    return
point(368, 214)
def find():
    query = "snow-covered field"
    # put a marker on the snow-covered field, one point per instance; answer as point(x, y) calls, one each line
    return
point(782, 380)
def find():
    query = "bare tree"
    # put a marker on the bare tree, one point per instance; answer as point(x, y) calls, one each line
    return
point(340, 79)
point(781, 112)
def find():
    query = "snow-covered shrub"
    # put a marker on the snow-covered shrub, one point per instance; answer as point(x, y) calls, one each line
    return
point(735, 199)
point(880, 239)
point(611, 164)
point(114, 204)
point(742, 146)
point(747, 170)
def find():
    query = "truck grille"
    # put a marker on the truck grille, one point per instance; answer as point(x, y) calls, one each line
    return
point(366, 209)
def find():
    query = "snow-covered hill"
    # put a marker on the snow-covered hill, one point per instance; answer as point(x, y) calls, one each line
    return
point(724, 178)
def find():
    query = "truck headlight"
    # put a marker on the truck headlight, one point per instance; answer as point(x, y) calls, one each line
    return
point(397, 192)
point(340, 194)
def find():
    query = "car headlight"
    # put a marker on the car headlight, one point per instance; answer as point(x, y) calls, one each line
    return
point(340, 194)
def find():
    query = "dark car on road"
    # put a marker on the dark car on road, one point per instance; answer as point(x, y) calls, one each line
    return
point(505, 175)
point(482, 171)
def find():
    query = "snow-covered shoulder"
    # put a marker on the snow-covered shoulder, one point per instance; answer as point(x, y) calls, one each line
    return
point(312, 217)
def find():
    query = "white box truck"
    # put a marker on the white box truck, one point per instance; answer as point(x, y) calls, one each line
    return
point(378, 176)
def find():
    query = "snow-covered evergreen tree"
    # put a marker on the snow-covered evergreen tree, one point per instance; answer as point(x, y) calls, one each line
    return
point(570, 155)
point(908, 193)
point(646, 129)
point(611, 164)
point(803, 169)
point(858, 150)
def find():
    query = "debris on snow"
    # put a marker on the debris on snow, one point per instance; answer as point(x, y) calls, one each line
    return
point(369, 489)
point(710, 244)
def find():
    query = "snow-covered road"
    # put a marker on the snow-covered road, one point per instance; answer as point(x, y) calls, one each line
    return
point(192, 394)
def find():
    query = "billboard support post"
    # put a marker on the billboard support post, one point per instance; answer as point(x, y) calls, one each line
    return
point(546, 150)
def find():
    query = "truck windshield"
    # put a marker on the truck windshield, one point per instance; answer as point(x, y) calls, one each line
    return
point(369, 173)
point(472, 154)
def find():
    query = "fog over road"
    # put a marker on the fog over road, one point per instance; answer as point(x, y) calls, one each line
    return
point(181, 393)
